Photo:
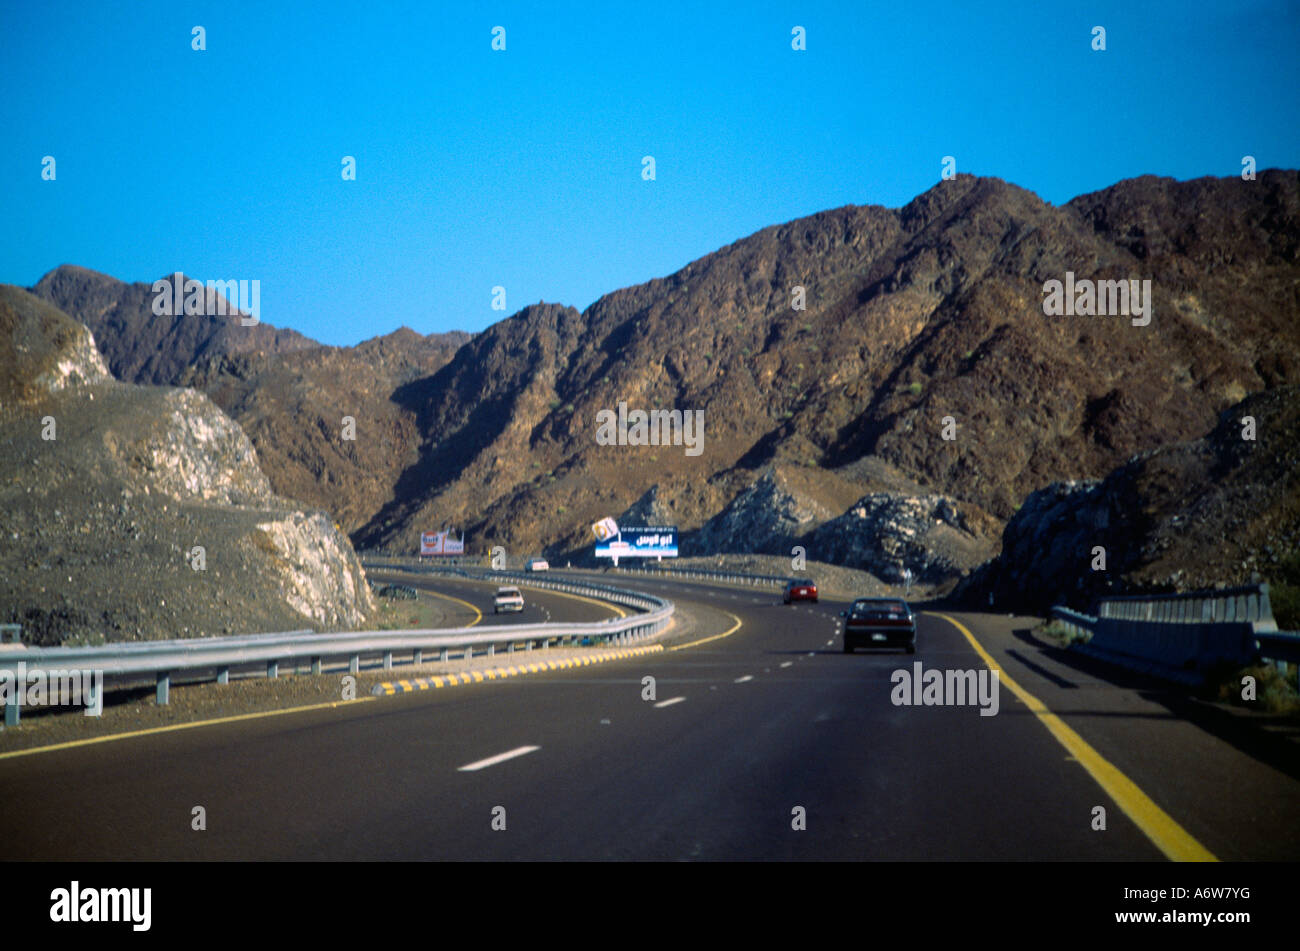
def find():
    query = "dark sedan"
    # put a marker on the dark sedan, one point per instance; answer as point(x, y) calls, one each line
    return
point(879, 622)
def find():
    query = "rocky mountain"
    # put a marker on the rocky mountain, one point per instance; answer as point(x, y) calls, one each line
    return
point(140, 512)
point(881, 386)
point(42, 352)
point(143, 347)
point(288, 393)
point(1223, 509)
point(295, 407)
point(924, 351)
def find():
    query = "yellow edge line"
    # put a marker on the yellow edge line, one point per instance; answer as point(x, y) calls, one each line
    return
point(563, 594)
point(182, 726)
point(728, 632)
point(478, 615)
point(578, 597)
point(1172, 839)
point(171, 728)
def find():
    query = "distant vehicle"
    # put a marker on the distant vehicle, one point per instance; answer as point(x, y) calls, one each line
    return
point(800, 590)
point(879, 622)
point(537, 564)
point(508, 598)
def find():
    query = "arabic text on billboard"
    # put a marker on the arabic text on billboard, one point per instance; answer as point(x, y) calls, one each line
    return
point(654, 542)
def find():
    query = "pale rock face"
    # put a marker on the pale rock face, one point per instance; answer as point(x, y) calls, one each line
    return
point(886, 533)
point(321, 577)
point(204, 454)
point(79, 365)
point(765, 517)
point(889, 534)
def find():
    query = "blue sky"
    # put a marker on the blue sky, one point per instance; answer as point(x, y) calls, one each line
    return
point(522, 168)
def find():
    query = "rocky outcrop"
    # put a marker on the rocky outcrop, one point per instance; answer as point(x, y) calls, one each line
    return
point(288, 393)
point(767, 517)
point(1224, 509)
point(41, 350)
point(932, 538)
point(320, 575)
point(197, 453)
point(135, 513)
point(892, 536)
point(650, 509)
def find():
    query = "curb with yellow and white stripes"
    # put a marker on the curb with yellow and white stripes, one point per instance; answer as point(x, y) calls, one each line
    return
point(393, 687)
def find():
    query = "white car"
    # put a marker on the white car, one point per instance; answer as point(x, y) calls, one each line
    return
point(538, 564)
point(508, 598)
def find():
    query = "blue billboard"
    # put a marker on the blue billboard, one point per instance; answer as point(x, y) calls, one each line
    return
point(654, 542)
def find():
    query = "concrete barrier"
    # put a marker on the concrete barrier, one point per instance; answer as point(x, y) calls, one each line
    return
point(1180, 637)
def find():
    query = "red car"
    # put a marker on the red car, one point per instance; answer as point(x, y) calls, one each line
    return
point(803, 590)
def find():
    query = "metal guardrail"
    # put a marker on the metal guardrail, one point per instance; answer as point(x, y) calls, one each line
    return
point(1284, 646)
point(1075, 622)
point(411, 562)
point(733, 577)
point(217, 656)
point(536, 579)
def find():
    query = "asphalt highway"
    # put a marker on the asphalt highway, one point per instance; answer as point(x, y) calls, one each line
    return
point(464, 603)
point(767, 743)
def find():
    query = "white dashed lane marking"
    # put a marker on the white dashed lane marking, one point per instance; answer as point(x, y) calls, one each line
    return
point(499, 758)
point(669, 702)
point(741, 680)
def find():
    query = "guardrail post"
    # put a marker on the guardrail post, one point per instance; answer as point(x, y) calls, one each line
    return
point(388, 660)
point(354, 664)
point(223, 675)
point(417, 657)
point(164, 687)
point(492, 650)
point(444, 655)
point(315, 665)
point(272, 669)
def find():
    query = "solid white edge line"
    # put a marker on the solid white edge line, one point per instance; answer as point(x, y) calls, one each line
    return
point(499, 758)
point(669, 702)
